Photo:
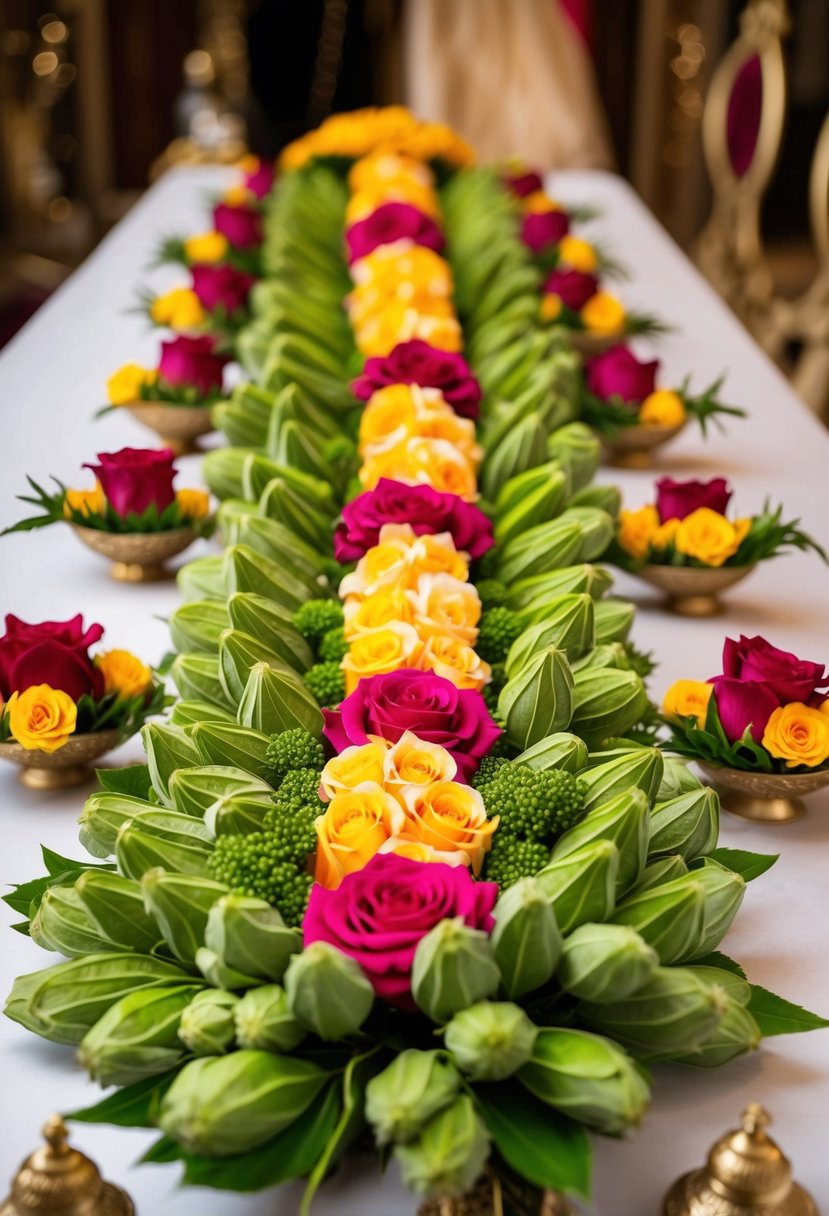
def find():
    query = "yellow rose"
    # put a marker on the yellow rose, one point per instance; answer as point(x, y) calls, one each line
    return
point(205, 248)
point(415, 850)
point(550, 307)
point(603, 314)
point(450, 817)
point(706, 536)
point(370, 305)
point(401, 190)
point(193, 504)
point(41, 718)
point(453, 659)
point(577, 254)
point(443, 332)
point(665, 534)
point(387, 411)
point(687, 699)
point(238, 196)
point(400, 322)
point(663, 407)
point(376, 610)
point(355, 825)
point(798, 734)
point(124, 673)
point(88, 502)
point(538, 202)
point(383, 565)
point(637, 529)
point(436, 554)
point(399, 261)
point(383, 650)
point(386, 166)
point(124, 386)
point(415, 761)
point(355, 766)
point(444, 604)
point(179, 309)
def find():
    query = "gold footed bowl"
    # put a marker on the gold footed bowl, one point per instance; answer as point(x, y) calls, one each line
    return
point(691, 591)
point(632, 447)
point(66, 767)
point(179, 426)
point(588, 343)
point(764, 797)
point(496, 1196)
point(137, 557)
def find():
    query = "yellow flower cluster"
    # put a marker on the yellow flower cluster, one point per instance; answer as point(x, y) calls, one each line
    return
point(398, 798)
point(688, 699)
point(389, 129)
point(124, 674)
point(124, 385)
point(206, 248)
point(193, 504)
point(798, 734)
point(178, 309)
point(705, 536)
point(41, 718)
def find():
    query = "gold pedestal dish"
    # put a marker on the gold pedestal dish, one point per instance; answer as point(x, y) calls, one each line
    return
point(179, 426)
point(494, 1196)
point(64, 768)
point(57, 1180)
point(632, 447)
point(691, 591)
point(588, 343)
point(137, 557)
point(764, 797)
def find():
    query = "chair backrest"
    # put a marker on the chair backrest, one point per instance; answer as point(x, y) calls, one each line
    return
point(819, 194)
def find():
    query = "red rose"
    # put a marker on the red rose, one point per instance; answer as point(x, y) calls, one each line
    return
point(416, 362)
point(260, 180)
point(392, 222)
point(676, 499)
point(522, 184)
point(53, 653)
point(573, 287)
point(378, 916)
point(135, 478)
point(782, 673)
point(242, 226)
point(743, 703)
point(193, 362)
point(221, 287)
point(618, 373)
point(429, 511)
point(542, 228)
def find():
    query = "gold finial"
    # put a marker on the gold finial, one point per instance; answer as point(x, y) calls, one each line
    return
point(755, 1118)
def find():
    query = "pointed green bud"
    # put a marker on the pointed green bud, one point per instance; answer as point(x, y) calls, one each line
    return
point(222, 471)
point(236, 746)
point(250, 936)
point(491, 1040)
point(538, 700)
point(541, 500)
point(242, 524)
point(582, 886)
point(187, 713)
point(137, 1037)
point(579, 451)
point(526, 938)
point(723, 893)
point(167, 748)
point(328, 992)
point(608, 655)
point(408, 1093)
point(237, 815)
point(664, 869)
point(207, 1027)
point(450, 1153)
point(220, 1106)
point(639, 768)
point(116, 904)
point(559, 750)
point(523, 447)
point(597, 530)
point(202, 579)
point(263, 1019)
point(734, 1034)
point(603, 963)
point(274, 701)
point(688, 824)
point(196, 626)
point(569, 628)
point(195, 790)
point(242, 425)
point(238, 652)
point(541, 549)
point(147, 841)
point(606, 498)
point(614, 620)
point(454, 966)
point(179, 904)
point(197, 678)
point(247, 570)
point(269, 623)
point(103, 816)
point(625, 821)
point(677, 779)
point(310, 524)
point(217, 973)
point(670, 918)
point(62, 922)
point(533, 595)
point(606, 702)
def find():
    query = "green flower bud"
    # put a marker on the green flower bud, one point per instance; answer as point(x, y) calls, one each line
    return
point(579, 451)
point(450, 1153)
point(250, 936)
point(167, 748)
point(219, 1106)
point(327, 991)
point(677, 779)
point(587, 1077)
point(233, 745)
point(179, 904)
point(272, 539)
point(137, 1037)
point(663, 870)
point(688, 824)
point(408, 1093)
point(723, 892)
point(734, 1034)
point(202, 579)
point(281, 501)
point(670, 918)
point(606, 702)
point(559, 750)
point(526, 939)
point(491, 1040)
point(569, 628)
point(606, 498)
point(272, 624)
point(187, 713)
point(276, 701)
point(196, 626)
point(603, 963)
point(162, 838)
point(103, 816)
point(597, 530)
point(217, 973)
point(263, 1019)
point(207, 1027)
point(237, 815)
point(635, 767)
point(523, 447)
point(196, 676)
point(533, 596)
point(62, 922)
point(582, 886)
point(247, 570)
point(454, 966)
point(237, 654)
point(541, 549)
point(538, 700)
point(195, 790)
point(625, 821)
point(222, 471)
point(530, 498)
point(116, 904)
point(614, 620)
point(610, 655)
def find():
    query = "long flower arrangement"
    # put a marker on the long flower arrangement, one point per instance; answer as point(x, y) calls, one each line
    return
point(404, 868)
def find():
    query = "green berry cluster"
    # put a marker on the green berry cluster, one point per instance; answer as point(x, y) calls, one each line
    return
point(488, 769)
point(535, 806)
point(510, 859)
point(498, 630)
point(333, 647)
point(292, 749)
point(326, 683)
point(492, 690)
point(493, 594)
point(315, 617)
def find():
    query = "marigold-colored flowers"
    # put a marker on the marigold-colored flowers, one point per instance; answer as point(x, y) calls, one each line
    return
point(41, 718)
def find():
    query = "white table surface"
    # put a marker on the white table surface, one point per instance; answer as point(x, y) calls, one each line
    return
point(52, 377)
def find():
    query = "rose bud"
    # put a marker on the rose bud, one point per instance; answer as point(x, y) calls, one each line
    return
point(327, 991)
point(137, 1037)
point(625, 821)
point(602, 963)
point(582, 886)
point(179, 904)
point(491, 1040)
point(784, 674)
point(587, 1077)
point(526, 938)
point(664, 869)
point(688, 824)
point(538, 700)
point(408, 1093)
point(568, 628)
point(221, 287)
point(578, 450)
point(454, 966)
point(134, 479)
point(676, 499)
point(263, 1019)
point(250, 936)
point(242, 226)
point(618, 373)
point(206, 1027)
point(542, 228)
point(633, 767)
point(192, 362)
point(450, 1153)
point(743, 705)
point(670, 918)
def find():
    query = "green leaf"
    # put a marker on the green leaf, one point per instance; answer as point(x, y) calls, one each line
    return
point(59, 867)
point(542, 1146)
point(775, 1015)
point(134, 1106)
point(133, 780)
point(741, 861)
point(161, 1152)
point(722, 961)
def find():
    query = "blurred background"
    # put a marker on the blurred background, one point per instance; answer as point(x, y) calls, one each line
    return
point(98, 97)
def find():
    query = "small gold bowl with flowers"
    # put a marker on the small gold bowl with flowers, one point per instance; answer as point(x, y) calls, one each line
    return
point(137, 557)
point(68, 766)
point(692, 590)
point(764, 797)
point(179, 426)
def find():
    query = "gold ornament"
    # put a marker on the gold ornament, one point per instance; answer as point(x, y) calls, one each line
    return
point(179, 426)
point(492, 1196)
point(764, 797)
point(692, 591)
point(59, 1181)
point(137, 557)
point(746, 1175)
point(65, 768)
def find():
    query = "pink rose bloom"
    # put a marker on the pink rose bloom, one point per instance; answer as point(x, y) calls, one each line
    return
point(260, 180)
point(573, 287)
point(542, 228)
point(416, 362)
point(392, 222)
point(427, 510)
point(676, 499)
point(782, 673)
point(221, 287)
point(192, 361)
point(522, 184)
point(242, 226)
point(134, 479)
point(53, 653)
point(378, 916)
point(432, 707)
point(618, 373)
point(743, 703)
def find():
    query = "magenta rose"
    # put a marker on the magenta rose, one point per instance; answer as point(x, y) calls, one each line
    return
point(782, 673)
point(192, 362)
point(432, 707)
point(242, 226)
point(676, 499)
point(428, 511)
point(573, 287)
point(416, 362)
point(221, 287)
point(260, 180)
point(136, 478)
point(378, 916)
point(53, 653)
point(743, 703)
point(618, 373)
point(522, 184)
point(542, 228)
point(392, 222)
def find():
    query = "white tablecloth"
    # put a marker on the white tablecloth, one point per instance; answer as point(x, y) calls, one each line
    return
point(52, 377)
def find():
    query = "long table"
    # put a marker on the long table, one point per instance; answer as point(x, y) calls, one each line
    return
point(52, 377)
